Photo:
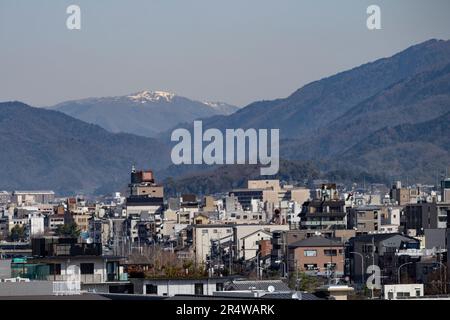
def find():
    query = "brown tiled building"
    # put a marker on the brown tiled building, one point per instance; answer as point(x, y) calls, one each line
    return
point(317, 255)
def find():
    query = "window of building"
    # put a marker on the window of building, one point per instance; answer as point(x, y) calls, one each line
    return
point(205, 231)
point(367, 248)
point(151, 289)
point(330, 252)
point(403, 294)
point(87, 268)
point(55, 269)
point(198, 287)
point(310, 253)
point(310, 266)
point(219, 286)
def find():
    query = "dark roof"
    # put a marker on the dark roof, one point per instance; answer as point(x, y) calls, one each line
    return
point(323, 214)
point(318, 202)
point(316, 241)
point(143, 201)
point(288, 295)
point(379, 237)
point(257, 285)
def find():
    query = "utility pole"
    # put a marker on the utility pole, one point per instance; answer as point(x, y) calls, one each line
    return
point(257, 266)
point(373, 258)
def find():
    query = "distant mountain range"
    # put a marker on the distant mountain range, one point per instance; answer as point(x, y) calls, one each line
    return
point(311, 109)
point(145, 113)
point(332, 121)
point(384, 120)
point(43, 149)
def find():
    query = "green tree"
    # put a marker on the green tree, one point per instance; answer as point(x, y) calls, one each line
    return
point(304, 282)
point(68, 230)
point(17, 233)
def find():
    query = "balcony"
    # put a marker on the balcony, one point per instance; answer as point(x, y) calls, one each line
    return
point(84, 278)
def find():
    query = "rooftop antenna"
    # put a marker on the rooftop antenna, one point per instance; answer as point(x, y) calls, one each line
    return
point(133, 169)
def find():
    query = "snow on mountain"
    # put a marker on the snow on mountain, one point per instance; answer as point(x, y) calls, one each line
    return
point(145, 113)
point(151, 96)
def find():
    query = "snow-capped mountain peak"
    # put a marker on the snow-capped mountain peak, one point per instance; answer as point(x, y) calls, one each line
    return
point(213, 104)
point(152, 96)
point(221, 107)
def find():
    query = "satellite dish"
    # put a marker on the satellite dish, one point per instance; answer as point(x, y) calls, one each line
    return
point(271, 289)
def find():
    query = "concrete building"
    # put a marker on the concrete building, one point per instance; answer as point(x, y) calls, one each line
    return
point(381, 250)
point(445, 190)
point(64, 259)
point(390, 215)
point(56, 220)
point(364, 219)
point(403, 196)
point(420, 216)
point(82, 221)
point(323, 215)
point(251, 244)
point(145, 194)
point(240, 232)
point(269, 192)
point(203, 237)
point(435, 238)
point(32, 197)
point(171, 287)
point(37, 226)
point(398, 291)
point(317, 255)
point(5, 197)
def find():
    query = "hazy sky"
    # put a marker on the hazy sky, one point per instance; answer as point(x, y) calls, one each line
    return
point(236, 51)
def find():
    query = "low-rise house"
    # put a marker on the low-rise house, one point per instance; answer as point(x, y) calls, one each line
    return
point(173, 286)
point(251, 244)
point(64, 259)
point(403, 291)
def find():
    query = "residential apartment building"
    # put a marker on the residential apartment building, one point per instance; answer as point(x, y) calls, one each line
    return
point(364, 219)
point(5, 197)
point(420, 216)
point(32, 197)
point(382, 250)
point(317, 255)
point(445, 190)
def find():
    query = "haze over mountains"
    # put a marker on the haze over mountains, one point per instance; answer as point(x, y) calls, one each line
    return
point(145, 113)
point(327, 119)
point(310, 109)
point(44, 149)
point(384, 120)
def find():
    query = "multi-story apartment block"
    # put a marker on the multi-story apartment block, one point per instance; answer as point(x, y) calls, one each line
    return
point(32, 197)
point(317, 255)
point(364, 219)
